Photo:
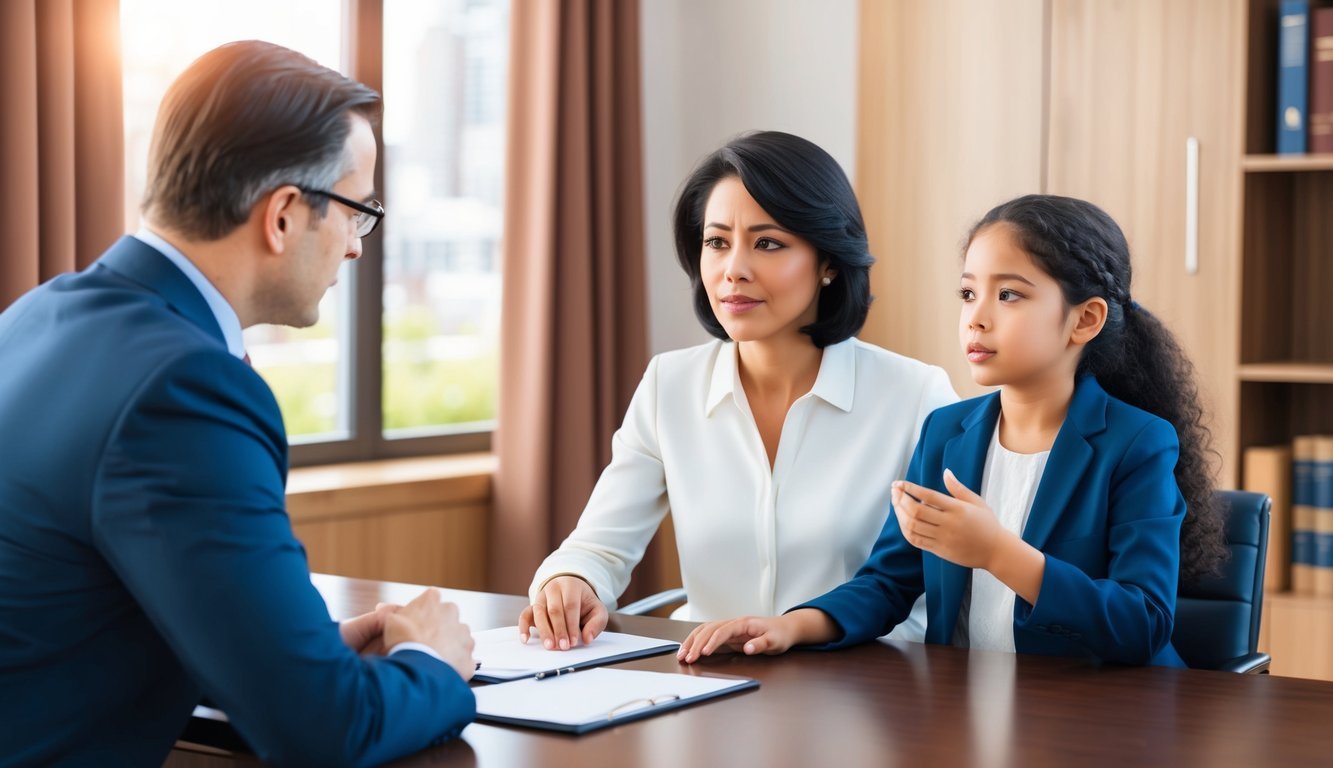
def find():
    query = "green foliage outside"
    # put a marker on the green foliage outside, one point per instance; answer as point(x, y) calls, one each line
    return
point(417, 391)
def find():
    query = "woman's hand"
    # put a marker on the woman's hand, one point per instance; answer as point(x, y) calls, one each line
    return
point(566, 612)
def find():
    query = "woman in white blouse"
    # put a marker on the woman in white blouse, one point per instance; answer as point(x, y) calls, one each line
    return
point(774, 447)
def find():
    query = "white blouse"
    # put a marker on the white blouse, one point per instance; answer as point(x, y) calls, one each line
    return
point(753, 541)
point(1008, 486)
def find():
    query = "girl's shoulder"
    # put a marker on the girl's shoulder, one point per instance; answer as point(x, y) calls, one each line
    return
point(1130, 423)
point(951, 418)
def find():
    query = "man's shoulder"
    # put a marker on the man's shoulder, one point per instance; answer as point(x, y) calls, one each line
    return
point(105, 346)
point(99, 308)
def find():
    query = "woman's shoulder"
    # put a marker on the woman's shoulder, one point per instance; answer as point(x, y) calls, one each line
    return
point(877, 361)
point(688, 359)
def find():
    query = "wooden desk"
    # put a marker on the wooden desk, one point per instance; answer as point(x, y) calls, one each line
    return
point(887, 703)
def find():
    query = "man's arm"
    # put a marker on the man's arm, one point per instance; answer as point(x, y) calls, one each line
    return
point(189, 509)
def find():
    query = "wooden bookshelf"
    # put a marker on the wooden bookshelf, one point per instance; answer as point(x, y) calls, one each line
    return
point(1296, 631)
point(1286, 163)
point(1285, 368)
point(1288, 372)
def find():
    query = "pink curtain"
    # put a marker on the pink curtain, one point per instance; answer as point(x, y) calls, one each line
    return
point(62, 142)
point(574, 323)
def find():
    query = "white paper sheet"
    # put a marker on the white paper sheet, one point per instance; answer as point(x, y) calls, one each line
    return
point(597, 696)
point(503, 657)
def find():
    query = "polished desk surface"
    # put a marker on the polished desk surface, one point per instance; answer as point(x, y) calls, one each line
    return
point(890, 703)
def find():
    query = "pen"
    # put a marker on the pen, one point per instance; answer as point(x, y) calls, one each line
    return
point(557, 672)
point(903, 487)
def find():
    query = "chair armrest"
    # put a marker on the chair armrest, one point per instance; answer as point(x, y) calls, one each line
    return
point(653, 602)
point(1249, 664)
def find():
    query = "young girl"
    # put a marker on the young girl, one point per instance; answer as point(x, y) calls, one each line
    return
point(1058, 514)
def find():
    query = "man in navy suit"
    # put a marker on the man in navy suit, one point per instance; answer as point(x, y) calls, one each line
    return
point(146, 556)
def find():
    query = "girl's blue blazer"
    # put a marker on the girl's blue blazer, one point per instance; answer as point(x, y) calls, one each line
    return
point(1107, 515)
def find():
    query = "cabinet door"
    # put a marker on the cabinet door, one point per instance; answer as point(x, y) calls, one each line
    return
point(950, 101)
point(1130, 83)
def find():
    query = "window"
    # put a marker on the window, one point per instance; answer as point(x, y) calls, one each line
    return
point(404, 358)
point(444, 143)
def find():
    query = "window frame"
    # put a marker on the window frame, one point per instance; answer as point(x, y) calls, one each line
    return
point(363, 375)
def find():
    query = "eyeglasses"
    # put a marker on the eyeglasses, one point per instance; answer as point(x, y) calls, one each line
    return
point(367, 216)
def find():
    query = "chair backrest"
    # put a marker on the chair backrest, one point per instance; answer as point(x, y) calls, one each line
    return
point(1217, 618)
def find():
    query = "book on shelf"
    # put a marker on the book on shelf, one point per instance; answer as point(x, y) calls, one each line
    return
point(1302, 514)
point(1268, 471)
point(1323, 516)
point(1321, 81)
point(1292, 75)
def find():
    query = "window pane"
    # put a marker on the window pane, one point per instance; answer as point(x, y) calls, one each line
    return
point(444, 79)
point(160, 39)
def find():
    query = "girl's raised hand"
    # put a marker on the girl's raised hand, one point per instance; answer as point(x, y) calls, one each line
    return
point(958, 527)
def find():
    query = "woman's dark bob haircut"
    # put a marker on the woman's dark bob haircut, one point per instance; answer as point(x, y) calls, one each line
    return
point(806, 192)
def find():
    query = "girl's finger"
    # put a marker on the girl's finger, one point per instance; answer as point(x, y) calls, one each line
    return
point(956, 487)
point(927, 497)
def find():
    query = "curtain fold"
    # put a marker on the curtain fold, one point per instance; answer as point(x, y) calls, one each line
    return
point(574, 321)
point(62, 149)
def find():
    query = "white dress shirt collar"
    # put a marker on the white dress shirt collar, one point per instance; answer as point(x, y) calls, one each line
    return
point(222, 311)
point(835, 384)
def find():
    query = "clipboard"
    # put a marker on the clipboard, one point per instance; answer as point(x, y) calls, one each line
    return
point(593, 699)
point(502, 657)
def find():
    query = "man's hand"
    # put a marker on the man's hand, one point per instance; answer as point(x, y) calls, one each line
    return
point(430, 622)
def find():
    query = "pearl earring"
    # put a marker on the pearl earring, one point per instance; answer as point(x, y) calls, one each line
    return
point(825, 282)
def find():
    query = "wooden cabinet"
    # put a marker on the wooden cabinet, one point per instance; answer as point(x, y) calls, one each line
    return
point(1132, 85)
point(950, 123)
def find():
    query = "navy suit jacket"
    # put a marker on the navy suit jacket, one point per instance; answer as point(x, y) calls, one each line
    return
point(146, 556)
point(1107, 515)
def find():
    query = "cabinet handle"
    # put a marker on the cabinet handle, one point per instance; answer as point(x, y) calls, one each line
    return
point(1191, 205)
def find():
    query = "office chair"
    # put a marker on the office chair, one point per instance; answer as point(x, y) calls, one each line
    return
point(653, 602)
point(1217, 618)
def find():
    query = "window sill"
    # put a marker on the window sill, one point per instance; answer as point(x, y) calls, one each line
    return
point(335, 491)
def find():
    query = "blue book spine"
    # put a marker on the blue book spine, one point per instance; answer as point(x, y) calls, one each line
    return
point(1320, 548)
point(1322, 545)
point(1323, 551)
point(1292, 75)
point(1302, 497)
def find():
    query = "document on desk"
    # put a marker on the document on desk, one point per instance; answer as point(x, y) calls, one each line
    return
point(590, 699)
point(502, 657)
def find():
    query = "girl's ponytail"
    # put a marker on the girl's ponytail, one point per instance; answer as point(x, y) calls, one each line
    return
point(1149, 370)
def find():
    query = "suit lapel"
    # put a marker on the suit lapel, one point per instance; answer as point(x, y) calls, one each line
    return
point(1070, 456)
point(135, 260)
point(965, 454)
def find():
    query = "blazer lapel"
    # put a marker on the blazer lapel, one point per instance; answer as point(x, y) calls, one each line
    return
point(1070, 456)
point(137, 261)
point(965, 454)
